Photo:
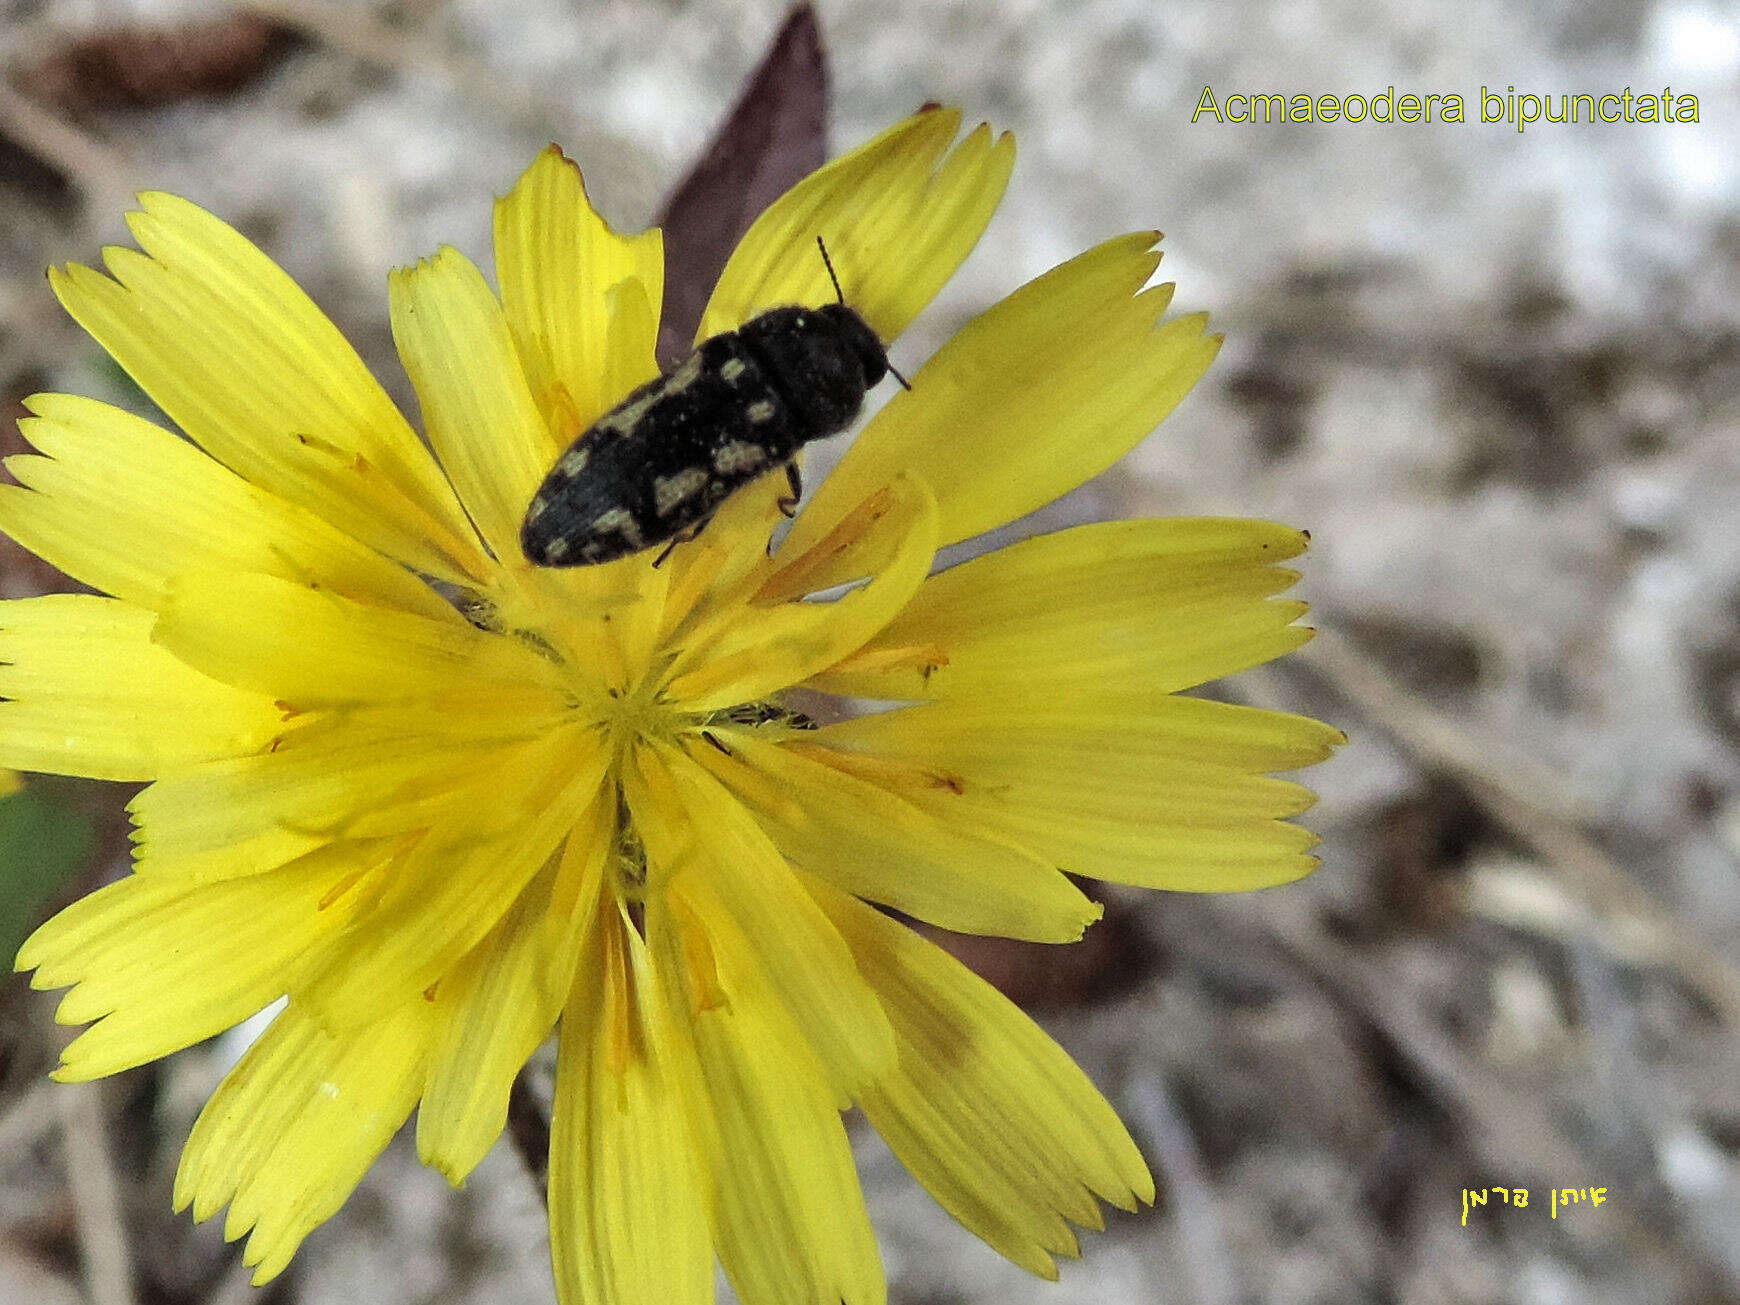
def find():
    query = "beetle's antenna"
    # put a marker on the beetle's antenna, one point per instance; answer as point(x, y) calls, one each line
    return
point(829, 264)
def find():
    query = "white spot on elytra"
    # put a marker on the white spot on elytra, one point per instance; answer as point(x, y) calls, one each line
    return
point(732, 369)
point(760, 411)
point(556, 549)
point(621, 522)
point(623, 419)
point(540, 505)
point(738, 455)
point(574, 462)
point(668, 491)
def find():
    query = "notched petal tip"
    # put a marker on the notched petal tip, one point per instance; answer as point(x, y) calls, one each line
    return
point(165, 202)
point(29, 957)
point(981, 137)
point(1188, 324)
point(551, 156)
point(1093, 915)
point(40, 404)
point(138, 220)
point(455, 1175)
point(900, 212)
point(554, 156)
point(444, 258)
point(60, 279)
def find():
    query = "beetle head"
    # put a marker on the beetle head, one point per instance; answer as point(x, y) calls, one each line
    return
point(862, 342)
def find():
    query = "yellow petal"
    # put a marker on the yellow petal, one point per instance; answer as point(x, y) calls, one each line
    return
point(1165, 794)
point(1035, 396)
point(304, 645)
point(558, 264)
point(899, 214)
point(92, 695)
point(788, 1214)
point(354, 772)
point(1146, 606)
point(628, 1214)
point(987, 1111)
point(502, 1000)
point(877, 845)
point(297, 1123)
point(162, 965)
point(742, 656)
point(629, 361)
point(759, 924)
point(459, 882)
point(328, 780)
point(245, 1117)
point(125, 506)
point(477, 407)
point(721, 569)
point(245, 363)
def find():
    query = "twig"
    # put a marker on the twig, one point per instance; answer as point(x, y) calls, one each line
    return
point(1201, 1235)
point(96, 1194)
point(236, 1287)
point(100, 172)
point(105, 180)
point(1433, 736)
point(29, 1119)
point(1506, 1128)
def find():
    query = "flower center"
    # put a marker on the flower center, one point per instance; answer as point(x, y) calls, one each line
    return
point(644, 714)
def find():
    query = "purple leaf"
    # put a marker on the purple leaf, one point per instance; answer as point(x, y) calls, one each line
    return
point(776, 135)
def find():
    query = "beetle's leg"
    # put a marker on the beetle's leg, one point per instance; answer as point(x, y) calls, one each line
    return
point(788, 503)
point(688, 536)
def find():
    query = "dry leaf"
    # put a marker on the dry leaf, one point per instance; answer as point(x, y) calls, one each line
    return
point(145, 67)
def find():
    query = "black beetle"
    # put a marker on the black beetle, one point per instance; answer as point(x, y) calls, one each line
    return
point(655, 468)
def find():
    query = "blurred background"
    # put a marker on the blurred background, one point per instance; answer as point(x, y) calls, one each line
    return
point(1497, 374)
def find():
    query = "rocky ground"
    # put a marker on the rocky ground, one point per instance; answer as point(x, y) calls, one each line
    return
point(1496, 373)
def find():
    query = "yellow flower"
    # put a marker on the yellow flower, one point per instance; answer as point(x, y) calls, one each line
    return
point(439, 798)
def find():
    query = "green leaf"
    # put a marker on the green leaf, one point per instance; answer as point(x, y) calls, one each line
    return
point(41, 844)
